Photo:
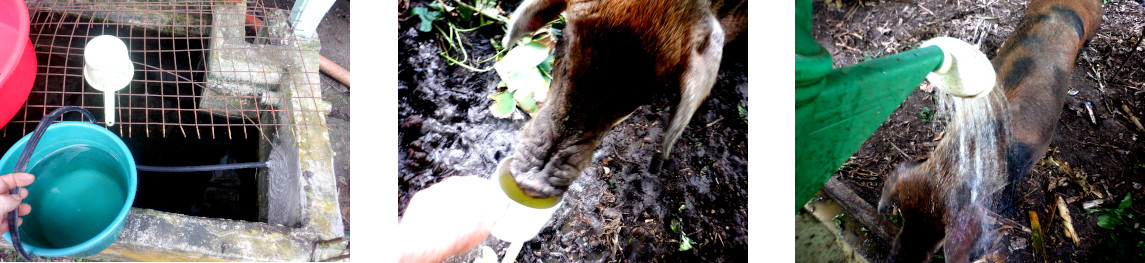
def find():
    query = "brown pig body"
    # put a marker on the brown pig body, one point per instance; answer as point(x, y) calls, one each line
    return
point(615, 56)
point(1033, 67)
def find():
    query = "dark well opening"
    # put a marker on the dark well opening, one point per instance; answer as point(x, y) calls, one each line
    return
point(156, 117)
point(230, 194)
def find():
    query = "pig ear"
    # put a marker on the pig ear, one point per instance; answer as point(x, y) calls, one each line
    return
point(696, 82)
point(530, 16)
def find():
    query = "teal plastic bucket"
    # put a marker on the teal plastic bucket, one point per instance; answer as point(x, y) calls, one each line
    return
point(85, 185)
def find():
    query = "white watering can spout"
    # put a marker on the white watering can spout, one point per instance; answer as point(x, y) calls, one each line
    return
point(965, 71)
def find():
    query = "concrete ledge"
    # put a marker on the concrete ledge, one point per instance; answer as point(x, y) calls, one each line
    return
point(151, 235)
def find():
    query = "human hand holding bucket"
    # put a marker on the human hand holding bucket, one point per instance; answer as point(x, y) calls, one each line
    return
point(85, 185)
point(12, 202)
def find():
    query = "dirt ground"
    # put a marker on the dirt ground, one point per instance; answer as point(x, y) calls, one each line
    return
point(1104, 152)
point(617, 211)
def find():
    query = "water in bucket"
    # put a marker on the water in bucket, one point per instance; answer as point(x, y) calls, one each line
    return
point(60, 219)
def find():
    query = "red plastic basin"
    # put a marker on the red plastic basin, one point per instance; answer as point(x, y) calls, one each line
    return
point(17, 59)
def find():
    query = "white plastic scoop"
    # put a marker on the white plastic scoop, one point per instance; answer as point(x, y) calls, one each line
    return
point(522, 220)
point(965, 71)
point(107, 67)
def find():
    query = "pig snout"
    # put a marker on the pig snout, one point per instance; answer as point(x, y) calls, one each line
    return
point(885, 204)
point(542, 177)
point(545, 161)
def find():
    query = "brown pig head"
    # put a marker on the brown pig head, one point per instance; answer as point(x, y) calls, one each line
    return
point(615, 56)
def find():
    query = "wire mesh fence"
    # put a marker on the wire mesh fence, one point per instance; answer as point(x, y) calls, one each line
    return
point(203, 69)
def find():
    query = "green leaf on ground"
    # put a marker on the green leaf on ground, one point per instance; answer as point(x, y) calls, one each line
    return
point(520, 71)
point(525, 101)
point(503, 104)
point(546, 66)
point(522, 60)
point(742, 112)
point(926, 114)
point(427, 18)
point(1108, 221)
point(1125, 203)
point(685, 242)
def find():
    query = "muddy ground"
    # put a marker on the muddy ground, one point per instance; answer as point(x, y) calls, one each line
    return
point(1104, 152)
point(617, 211)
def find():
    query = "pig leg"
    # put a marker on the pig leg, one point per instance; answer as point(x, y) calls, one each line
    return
point(963, 233)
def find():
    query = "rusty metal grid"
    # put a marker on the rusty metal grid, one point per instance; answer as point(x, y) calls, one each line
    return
point(170, 60)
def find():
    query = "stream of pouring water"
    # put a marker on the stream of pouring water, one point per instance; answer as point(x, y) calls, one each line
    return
point(976, 129)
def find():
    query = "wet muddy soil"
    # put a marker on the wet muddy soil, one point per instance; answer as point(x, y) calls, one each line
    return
point(1104, 151)
point(618, 210)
